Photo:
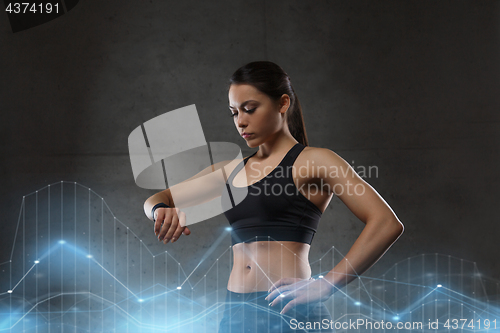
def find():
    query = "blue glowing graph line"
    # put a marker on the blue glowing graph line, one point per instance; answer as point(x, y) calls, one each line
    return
point(205, 256)
point(109, 299)
point(68, 245)
point(82, 253)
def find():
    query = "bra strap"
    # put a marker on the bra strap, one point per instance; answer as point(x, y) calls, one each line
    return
point(246, 159)
point(293, 154)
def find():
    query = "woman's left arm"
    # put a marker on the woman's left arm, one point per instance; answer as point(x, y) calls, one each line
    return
point(382, 229)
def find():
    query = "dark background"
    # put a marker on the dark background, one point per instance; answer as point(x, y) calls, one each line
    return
point(408, 86)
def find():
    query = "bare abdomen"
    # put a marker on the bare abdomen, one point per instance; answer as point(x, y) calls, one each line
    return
point(258, 265)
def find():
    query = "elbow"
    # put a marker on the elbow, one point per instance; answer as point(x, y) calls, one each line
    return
point(396, 227)
point(391, 226)
point(147, 202)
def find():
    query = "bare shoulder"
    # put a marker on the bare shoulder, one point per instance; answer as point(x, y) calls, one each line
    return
point(321, 164)
point(321, 157)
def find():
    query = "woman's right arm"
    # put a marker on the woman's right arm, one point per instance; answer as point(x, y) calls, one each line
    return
point(208, 184)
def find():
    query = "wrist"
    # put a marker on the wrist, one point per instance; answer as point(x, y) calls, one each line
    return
point(155, 207)
point(332, 284)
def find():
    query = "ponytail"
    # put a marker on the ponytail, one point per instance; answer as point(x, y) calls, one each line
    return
point(295, 122)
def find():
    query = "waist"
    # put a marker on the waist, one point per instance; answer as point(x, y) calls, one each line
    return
point(257, 265)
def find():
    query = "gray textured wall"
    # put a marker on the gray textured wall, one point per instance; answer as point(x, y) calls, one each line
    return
point(408, 86)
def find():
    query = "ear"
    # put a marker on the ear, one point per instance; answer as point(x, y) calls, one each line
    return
point(284, 103)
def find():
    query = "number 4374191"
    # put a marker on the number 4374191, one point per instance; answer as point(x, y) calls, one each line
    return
point(29, 7)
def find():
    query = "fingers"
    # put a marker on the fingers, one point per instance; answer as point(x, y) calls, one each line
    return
point(290, 305)
point(165, 221)
point(292, 299)
point(279, 295)
point(172, 228)
point(282, 282)
point(181, 226)
point(302, 292)
point(170, 224)
point(285, 291)
point(281, 288)
point(159, 217)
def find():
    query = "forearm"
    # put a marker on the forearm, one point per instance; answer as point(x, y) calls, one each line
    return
point(162, 196)
point(375, 239)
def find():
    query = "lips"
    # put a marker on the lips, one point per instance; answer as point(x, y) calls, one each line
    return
point(246, 135)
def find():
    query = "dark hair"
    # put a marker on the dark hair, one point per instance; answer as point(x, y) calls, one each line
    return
point(272, 80)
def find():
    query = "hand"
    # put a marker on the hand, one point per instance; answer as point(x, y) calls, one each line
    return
point(295, 291)
point(170, 223)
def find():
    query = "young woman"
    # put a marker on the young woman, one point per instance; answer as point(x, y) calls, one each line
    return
point(288, 186)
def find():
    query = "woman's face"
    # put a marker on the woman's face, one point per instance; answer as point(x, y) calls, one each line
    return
point(255, 113)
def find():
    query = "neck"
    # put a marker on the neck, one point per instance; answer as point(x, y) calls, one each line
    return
point(280, 142)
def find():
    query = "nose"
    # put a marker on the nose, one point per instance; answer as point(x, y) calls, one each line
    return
point(241, 121)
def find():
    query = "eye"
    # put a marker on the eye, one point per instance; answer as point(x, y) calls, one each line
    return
point(247, 111)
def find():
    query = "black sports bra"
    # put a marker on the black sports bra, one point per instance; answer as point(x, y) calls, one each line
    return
point(273, 209)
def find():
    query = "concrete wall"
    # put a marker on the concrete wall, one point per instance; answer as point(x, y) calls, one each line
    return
point(408, 86)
